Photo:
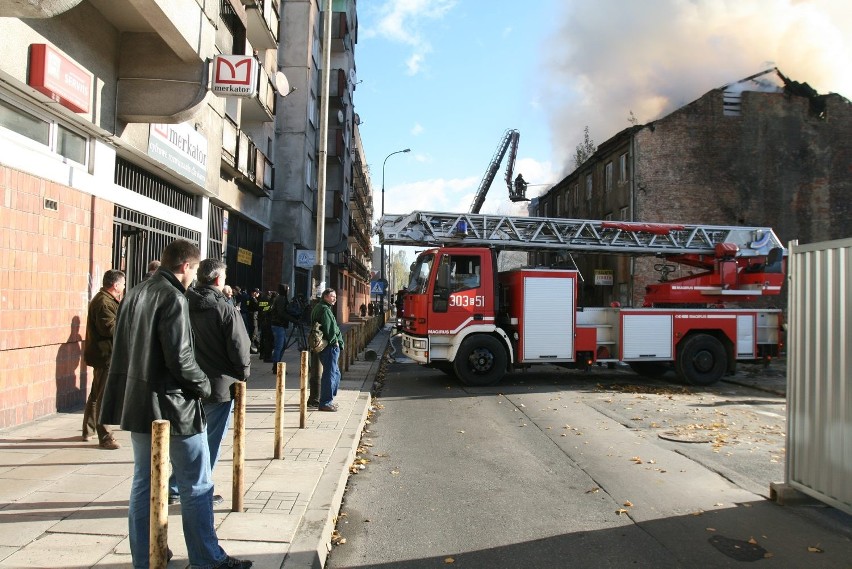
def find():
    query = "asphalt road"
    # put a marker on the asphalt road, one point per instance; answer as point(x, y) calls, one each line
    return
point(555, 468)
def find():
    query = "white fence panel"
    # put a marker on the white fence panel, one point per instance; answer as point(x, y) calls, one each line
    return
point(819, 371)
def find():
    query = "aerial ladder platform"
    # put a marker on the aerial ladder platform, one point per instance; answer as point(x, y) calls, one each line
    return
point(734, 262)
point(517, 233)
point(517, 188)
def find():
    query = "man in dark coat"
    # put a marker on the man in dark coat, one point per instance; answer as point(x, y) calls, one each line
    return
point(153, 375)
point(100, 325)
point(221, 350)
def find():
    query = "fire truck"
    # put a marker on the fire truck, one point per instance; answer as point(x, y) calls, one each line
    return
point(464, 317)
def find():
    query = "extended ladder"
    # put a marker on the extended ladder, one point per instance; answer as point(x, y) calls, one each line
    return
point(503, 232)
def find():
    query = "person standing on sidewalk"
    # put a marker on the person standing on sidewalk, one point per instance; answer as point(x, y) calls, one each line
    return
point(330, 380)
point(153, 375)
point(222, 352)
point(100, 326)
point(280, 318)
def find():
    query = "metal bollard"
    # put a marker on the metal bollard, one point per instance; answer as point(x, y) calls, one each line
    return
point(303, 388)
point(280, 372)
point(239, 446)
point(159, 529)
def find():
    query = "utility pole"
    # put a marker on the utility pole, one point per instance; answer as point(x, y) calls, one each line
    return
point(322, 154)
point(384, 281)
point(318, 283)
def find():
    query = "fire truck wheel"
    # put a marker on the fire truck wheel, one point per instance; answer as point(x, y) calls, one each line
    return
point(701, 360)
point(654, 370)
point(481, 360)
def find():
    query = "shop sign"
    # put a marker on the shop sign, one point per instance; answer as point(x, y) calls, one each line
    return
point(181, 149)
point(307, 258)
point(234, 76)
point(60, 78)
point(244, 256)
point(603, 277)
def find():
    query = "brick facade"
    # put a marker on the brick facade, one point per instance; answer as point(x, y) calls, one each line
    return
point(783, 162)
point(52, 262)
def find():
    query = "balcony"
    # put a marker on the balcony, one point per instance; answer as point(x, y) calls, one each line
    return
point(261, 107)
point(341, 40)
point(262, 23)
point(338, 88)
point(257, 177)
point(336, 145)
point(249, 166)
point(230, 146)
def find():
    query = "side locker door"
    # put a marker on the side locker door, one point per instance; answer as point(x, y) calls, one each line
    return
point(745, 336)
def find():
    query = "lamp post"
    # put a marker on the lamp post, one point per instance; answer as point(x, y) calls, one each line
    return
point(382, 245)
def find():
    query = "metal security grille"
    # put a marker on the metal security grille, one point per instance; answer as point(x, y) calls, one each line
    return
point(141, 181)
point(215, 233)
point(246, 269)
point(139, 239)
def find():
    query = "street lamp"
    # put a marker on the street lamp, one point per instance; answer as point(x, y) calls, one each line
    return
point(382, 300)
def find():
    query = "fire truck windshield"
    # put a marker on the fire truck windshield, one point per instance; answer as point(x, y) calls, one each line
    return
point(420, 273)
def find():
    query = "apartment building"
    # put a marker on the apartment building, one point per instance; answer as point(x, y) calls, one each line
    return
point(113, 143)
point(762, 151)
point(291, 245)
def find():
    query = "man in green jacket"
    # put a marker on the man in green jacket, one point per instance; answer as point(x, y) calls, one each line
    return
point(100, 325)
point(323, 313)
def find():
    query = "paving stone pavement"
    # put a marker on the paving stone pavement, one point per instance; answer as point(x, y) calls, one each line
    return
point(63, 501)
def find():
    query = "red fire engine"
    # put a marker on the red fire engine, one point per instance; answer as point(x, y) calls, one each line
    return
point(464, 317)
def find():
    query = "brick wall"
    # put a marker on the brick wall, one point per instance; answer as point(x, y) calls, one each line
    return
point(779, 164)
point(50, 261)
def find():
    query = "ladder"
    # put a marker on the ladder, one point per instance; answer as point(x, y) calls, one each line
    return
point(510, 138)
point(424, 228)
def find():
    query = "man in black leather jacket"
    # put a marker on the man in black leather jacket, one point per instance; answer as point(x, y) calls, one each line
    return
point(153, 375)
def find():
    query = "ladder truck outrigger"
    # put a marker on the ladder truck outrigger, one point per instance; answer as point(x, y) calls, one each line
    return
point(464, 317)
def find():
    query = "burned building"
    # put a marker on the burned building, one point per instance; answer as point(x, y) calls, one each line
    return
point(762, 151)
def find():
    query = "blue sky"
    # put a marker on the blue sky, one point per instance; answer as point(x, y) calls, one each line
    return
point(446, 78)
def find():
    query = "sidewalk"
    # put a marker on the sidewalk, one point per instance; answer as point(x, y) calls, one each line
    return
point(63, 502)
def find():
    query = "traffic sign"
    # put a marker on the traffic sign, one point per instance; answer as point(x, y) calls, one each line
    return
point(378, 287)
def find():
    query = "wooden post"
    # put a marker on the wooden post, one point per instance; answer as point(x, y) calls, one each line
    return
point(344, 353)
point(239, 446)
point(280, 372)
point(304, 371)
point(159, 533)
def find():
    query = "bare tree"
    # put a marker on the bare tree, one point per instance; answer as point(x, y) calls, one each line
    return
point(585, 149)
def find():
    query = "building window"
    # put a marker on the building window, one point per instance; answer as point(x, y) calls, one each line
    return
point(559, 206)
point(309, 173)
point(623, 214)
point(312, 109)
point(576, 192)
point(608, 177)
point(588, 187)
point(71, 145)
point(608, 217)
point(622, 168)
point(56, 137)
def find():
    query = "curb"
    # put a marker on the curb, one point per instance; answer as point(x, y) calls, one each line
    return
point(312, 542)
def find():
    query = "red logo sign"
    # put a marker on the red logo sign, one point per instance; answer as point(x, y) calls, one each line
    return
point(235, 75)
point(60, 78)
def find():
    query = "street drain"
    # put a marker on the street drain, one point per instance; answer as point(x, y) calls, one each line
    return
point(685, 436)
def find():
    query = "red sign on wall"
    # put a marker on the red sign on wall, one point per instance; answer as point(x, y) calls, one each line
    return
point(60, 78)
point(234, 75)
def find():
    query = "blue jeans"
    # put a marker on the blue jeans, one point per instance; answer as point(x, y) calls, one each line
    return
point(330, 380)
point(191, 462)
point(218, 419)
point(279, 340)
